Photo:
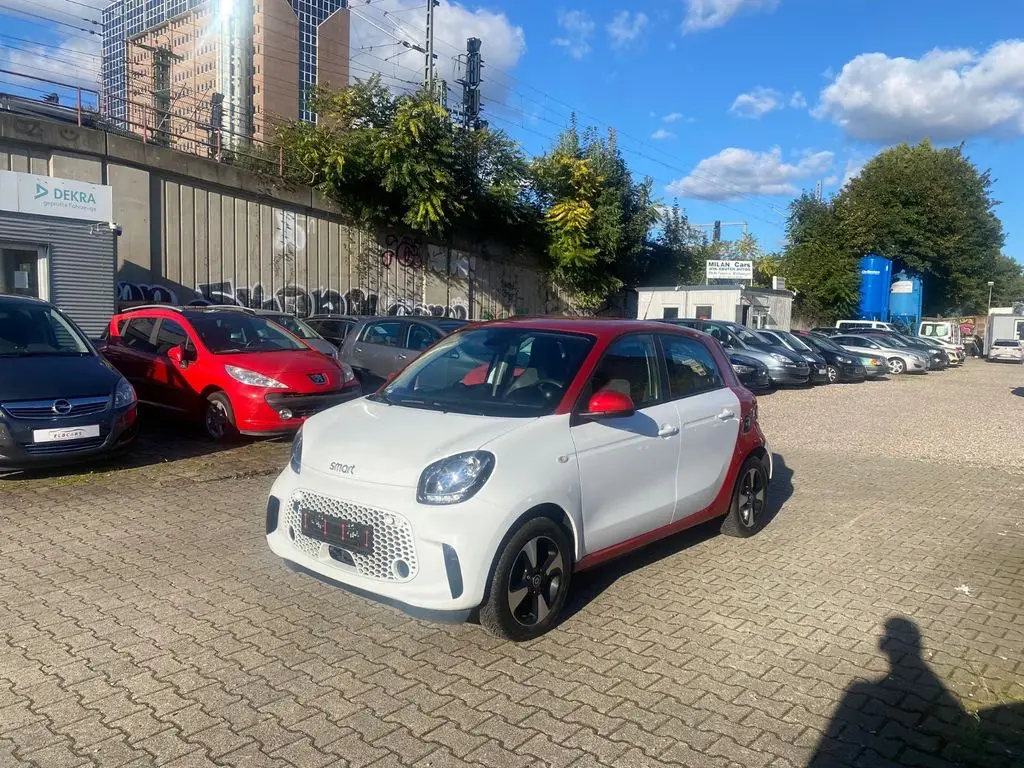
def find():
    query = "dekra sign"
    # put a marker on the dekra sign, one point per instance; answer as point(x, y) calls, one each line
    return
point(74, 196)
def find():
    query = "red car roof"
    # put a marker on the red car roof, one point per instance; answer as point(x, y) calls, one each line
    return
point(602, 327)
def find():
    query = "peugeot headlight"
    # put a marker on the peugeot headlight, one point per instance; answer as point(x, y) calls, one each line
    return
point(455, 479)
point(844, 360)
point(742, 369)
point(124, 394)
point(253, 379)
point(780, 358)
point(296, 460)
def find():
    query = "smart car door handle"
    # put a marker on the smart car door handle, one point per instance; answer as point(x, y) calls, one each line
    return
point(667, 430)
point(403, 357)
point(726, 415)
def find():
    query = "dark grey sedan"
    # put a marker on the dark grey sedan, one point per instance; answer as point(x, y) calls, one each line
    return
point(376, 347)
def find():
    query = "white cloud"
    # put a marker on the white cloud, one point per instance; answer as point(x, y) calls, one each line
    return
point(735, 173)
point(672, 117)
point(503, 42)
point(756, 104)
point(74, 62)
point(625, 28)
point(708, 14)
point(578, 28)
point(661, 133)
point(944, 95)
point(797, 100)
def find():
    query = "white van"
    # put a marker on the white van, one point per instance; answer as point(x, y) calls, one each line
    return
point(859, 325)
point(941, 330)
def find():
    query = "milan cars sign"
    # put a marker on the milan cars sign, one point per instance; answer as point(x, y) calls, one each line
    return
point(727, 269)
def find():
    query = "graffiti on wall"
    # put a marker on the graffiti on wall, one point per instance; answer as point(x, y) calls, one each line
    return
point(157, 294)
point(303, 302)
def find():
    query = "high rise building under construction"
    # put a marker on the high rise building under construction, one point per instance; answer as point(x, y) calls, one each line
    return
point(200, 73)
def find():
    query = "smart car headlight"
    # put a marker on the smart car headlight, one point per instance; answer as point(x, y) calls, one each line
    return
point(455, 479)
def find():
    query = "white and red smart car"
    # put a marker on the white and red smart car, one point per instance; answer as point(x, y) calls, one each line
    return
point(513, 454)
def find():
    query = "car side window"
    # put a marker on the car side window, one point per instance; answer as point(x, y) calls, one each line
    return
point(691, 367)
point(630, 366)
point(770, 338)
point(170, 335)
point(388, 334)
point(137, 333)
point(420, 337)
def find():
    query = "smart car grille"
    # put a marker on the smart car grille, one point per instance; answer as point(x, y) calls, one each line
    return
point(49, 409)
point(392, 534)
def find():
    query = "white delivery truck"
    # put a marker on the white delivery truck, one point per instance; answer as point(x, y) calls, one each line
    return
point(1003, 327)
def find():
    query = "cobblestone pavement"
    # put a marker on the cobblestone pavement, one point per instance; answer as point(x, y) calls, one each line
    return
point(144, 622)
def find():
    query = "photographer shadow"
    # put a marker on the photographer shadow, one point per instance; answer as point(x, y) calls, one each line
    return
point(909, 717)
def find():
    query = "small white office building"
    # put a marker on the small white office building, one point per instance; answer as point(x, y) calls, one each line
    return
point(56, 244)
point(753, 307)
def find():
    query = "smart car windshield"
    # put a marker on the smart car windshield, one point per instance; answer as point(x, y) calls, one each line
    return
point(230, 333)
point(519, 372)
point(37, 330)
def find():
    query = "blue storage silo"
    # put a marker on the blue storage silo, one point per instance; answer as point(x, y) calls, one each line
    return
point(875, 276)
point(905, 301)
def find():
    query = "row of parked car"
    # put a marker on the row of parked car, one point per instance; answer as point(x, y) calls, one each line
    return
point(769, 358)
point(234, 370)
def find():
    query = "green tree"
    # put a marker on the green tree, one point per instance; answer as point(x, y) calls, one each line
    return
point(818, 263)
point(596, 216)
point(931, 211)
point(398, 159)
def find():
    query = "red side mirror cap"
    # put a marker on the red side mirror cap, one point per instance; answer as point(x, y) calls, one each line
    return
point(609, 404)
point(176, 355)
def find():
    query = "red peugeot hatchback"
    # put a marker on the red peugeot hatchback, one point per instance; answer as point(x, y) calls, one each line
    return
point(234, 372)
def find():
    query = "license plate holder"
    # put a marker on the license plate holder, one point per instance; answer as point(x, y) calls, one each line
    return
point(348, 534)
point(65, 434)
point(821, 371)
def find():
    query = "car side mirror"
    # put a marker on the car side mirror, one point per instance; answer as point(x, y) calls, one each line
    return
point(609, 404)
point(181, 356)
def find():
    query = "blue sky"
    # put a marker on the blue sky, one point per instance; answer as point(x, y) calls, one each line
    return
point(732, 106)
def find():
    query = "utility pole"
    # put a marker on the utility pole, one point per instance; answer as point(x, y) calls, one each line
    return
point(162, 59)
point(216, 125)
point(471, 86)
point(990, 284)
point(429, 73)
point(818, 190)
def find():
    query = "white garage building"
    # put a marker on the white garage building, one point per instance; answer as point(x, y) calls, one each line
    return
point(753, 307)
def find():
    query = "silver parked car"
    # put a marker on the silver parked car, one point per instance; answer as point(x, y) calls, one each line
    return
point(1007, 349)
point(377, 347)
point(899, 359)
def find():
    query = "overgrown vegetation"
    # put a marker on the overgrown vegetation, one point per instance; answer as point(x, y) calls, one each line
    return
point(399, 160)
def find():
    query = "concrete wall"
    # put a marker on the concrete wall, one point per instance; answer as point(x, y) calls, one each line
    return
point(197, 230)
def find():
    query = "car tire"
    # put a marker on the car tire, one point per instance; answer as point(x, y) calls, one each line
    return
point(897, 366)
point(749, 500)
point(530, 582)
point(218, 418)
point(833, 374)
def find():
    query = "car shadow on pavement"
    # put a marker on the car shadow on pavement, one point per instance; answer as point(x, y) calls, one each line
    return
point(162, 438)
point(589, 584)
point(909, 717)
